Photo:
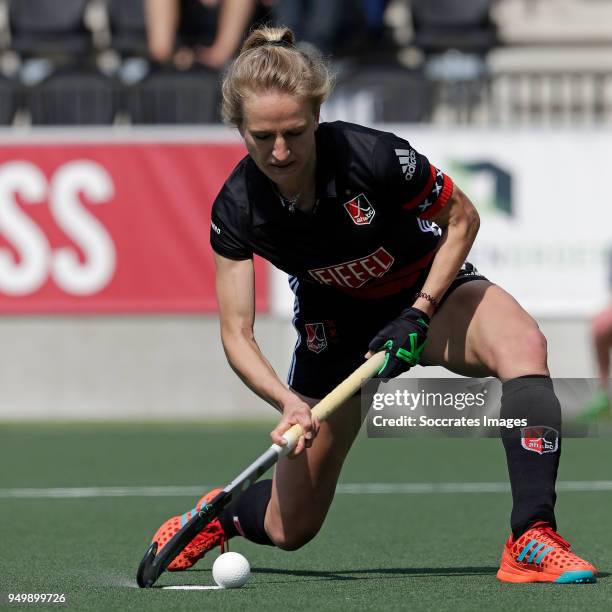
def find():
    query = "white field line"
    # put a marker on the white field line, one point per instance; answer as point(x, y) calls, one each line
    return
point(192, 587)
point(365, 488)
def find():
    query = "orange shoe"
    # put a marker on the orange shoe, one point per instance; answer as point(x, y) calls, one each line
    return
point(211, 536)
point(542, 555)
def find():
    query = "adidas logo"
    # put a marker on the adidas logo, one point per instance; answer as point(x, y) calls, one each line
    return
point(407, 159)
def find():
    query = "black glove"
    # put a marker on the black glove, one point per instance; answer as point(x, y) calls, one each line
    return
point(404, 338)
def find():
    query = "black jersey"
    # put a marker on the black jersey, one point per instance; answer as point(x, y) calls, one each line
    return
point(369, 233)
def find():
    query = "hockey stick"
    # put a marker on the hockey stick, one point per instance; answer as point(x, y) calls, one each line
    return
point(154, 564)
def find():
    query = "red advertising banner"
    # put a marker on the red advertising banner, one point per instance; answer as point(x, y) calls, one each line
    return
point(111, 227)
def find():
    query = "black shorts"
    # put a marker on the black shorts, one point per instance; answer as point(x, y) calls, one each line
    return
point(334, 330)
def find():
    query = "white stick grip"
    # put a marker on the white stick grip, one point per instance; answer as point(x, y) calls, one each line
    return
point(336, 397)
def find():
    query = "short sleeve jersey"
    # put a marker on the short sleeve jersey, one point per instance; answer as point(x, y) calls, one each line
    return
point(369, 234)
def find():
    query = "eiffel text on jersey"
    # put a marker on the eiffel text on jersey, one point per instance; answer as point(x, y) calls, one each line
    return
point(355, 273)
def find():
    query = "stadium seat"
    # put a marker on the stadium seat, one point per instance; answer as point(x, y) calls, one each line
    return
point(383, 93)
point(8, 100)
point(73, 96)
point(169, 96)
point(61, 85)
point(127, 26)
point(464, 25)
point(48, 26)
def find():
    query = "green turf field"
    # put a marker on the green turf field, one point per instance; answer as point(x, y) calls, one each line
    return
point(396, 550)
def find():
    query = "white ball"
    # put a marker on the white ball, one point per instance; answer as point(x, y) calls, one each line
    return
point(231, 570)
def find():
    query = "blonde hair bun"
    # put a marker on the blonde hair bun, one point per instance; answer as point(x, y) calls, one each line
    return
point(270, 61)
point(282, 37)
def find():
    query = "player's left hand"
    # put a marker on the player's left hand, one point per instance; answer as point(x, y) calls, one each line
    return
point(404, 339)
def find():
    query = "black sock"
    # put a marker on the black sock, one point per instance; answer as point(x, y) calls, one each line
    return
point(532, 452)
point(245, 516)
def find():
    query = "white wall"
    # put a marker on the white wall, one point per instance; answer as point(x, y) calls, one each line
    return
point(168, 368)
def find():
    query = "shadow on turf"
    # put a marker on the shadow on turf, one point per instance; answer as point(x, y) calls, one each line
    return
point(369, 574)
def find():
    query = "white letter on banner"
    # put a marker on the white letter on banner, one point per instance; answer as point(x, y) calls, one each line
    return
point(86, 231)
point(32, 246)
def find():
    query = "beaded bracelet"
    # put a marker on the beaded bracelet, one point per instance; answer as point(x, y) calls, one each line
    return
point(430, 298)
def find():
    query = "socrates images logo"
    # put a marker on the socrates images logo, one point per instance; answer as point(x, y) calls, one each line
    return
point(489, 185)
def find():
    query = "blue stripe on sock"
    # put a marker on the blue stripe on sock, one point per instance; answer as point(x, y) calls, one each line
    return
point(543, 554)
point(535, 551)
point(183, 519)
point(526, 550)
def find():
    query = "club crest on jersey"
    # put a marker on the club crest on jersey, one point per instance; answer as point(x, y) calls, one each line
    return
point(540, 439)
point(315, 337)
point(360, 210)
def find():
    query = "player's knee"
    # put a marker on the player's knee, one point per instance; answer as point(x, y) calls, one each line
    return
point(292, 539)
point(522, 350)
point(534, 344)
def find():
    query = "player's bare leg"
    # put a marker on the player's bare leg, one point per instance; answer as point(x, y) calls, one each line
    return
point(476, 311)
point(601, 334)
point(287, 511)
point(303, 487)
point(482, 331)
point(601, 330)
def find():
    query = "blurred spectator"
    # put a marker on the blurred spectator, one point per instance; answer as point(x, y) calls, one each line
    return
point(374, 15)
point(602, 342)
point(601, 336)
point(205, 32)
point(332, 26)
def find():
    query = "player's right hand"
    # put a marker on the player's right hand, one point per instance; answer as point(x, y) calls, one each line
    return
point(296, 411)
